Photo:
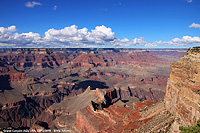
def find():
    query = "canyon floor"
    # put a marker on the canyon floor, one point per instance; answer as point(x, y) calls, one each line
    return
point(86, 90)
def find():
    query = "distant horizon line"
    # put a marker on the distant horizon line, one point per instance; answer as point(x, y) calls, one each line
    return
point(92, 48)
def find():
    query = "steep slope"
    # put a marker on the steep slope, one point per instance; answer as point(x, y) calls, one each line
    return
point(182, 93)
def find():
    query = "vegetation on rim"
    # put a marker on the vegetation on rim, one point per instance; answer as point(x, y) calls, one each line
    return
point(192, 129)
point(194, 50)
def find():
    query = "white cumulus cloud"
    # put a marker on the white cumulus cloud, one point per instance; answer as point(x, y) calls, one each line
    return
point(151, 44)
point(100, 36)
point(8, 37)
point(135, 42)
point(73, 35)
point(68, 34)
point(184, 41)
point(194, 25)
point(128, 43)
point(31, 4)
point(7, 30)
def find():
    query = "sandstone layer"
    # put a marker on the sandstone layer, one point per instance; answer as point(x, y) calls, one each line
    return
point(182, 93)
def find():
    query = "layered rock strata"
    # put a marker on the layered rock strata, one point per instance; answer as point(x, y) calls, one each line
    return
point(182, 93)
point(144, 116)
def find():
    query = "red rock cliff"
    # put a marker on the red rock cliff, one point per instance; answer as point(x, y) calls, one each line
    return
point(182, 97)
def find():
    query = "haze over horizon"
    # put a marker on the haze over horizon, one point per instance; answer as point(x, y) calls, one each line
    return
point(100, 23)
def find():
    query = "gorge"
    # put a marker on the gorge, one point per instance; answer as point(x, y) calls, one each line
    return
point(99, 90)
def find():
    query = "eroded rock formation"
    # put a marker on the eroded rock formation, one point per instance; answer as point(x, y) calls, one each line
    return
point(144, 116)
point(182, 93)
point(48, 88)
point(179, 108)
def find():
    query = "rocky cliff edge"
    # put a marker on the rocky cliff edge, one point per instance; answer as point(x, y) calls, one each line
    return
point(182, 97)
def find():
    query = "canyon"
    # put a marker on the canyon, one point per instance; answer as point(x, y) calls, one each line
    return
point(180, 106)
point(99, 90)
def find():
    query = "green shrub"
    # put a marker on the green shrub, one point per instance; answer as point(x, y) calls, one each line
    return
point(195, 49)
point(192, 129)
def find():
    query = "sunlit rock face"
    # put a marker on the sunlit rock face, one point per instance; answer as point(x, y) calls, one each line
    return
point(182, 97)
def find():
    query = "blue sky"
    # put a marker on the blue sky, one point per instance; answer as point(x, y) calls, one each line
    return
point(100, 23)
